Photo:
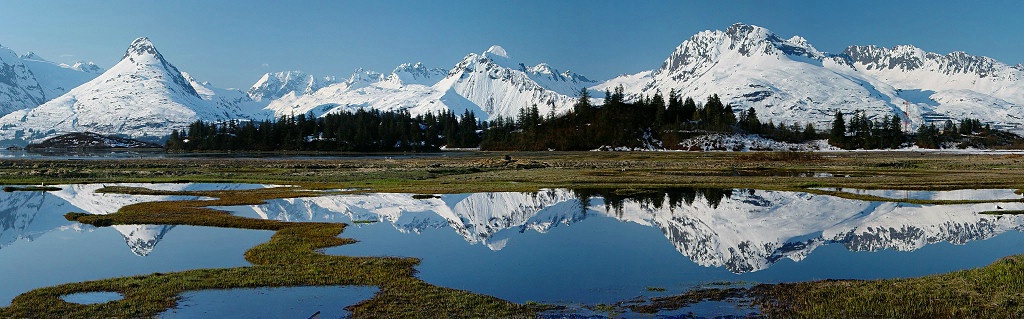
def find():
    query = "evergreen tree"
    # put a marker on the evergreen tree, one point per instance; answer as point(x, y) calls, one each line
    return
point(928, 136)
point(749, 122)
point(582, 106)
point(810, 133)
point(674, 110)
point(658, 103)
point(837, 136)
point(689, 110)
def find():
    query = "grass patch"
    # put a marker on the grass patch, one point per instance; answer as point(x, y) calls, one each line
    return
point(994, 291)
point(686, 299)
point(291, 257)
point(1003, 212)
point(10, 189)
point(780, 156)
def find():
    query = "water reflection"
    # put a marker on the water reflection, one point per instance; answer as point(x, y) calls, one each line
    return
point(24, 216)
point(954, 195)
point(740, 230)
point(279, 302)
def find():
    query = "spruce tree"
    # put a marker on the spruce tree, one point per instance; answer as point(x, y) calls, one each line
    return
point(582, 106)
point(689, 110)
point(837, 136)
point(810, 133)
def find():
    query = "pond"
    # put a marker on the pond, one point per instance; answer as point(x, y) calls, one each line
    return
point(90, 298)
point(39, 248)
point(569, 247)
point(283, 302)
point(959, 194)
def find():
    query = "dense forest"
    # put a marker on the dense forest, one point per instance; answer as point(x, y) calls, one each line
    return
point(863, 133)
point(359, 131)
point(649, 122)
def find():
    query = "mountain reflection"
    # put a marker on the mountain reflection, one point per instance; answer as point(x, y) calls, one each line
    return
point(740, 230)
point(25, 216)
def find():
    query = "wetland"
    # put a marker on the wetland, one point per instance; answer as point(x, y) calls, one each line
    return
point(889, 234)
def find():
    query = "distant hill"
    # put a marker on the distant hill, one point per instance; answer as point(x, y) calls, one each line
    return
point(89, 140)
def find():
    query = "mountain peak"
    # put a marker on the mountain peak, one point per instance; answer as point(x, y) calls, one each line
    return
point(32, 56)
point(739, 28)
point(275, 85)
point(141, 46)
point(87, 67)
point(496, 51)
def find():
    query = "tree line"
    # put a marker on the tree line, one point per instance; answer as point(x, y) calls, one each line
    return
point(648, 122)
point(886, 133)
point(657, 121)
point(358, 131)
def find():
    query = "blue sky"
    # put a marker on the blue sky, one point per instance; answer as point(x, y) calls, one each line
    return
point(232, 43)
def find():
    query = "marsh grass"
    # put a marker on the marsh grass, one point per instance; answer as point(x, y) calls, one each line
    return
point(30, 189)
point(683, 300)
point(780, 156)
point(1003, 212)
point(994, 291)
point(292, 258)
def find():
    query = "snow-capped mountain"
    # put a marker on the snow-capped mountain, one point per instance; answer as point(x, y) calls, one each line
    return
point(957, 85)
point(229, 99)
point(144, 97)
point(28, 80)
point(57, 79)
point(742, 231)
point(413, 73)
point(276, 85)
point(19, 87)
point(788, 80)
point(785, 80)
point(87, 67)
point(490, 84)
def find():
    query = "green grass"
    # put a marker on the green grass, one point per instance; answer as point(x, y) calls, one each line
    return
point(994, 291)
point(291, 257)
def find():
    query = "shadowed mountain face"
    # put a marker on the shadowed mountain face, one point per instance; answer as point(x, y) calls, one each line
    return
point(740, 230)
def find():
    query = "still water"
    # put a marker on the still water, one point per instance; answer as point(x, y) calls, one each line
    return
point(959, 194)
point(39, 248)
point(567, 246)
point(556, 245)
point(284, 302)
